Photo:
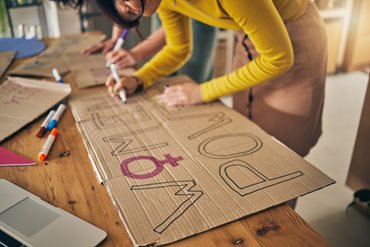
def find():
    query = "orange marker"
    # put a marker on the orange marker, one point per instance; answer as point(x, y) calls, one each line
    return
point(47, 145)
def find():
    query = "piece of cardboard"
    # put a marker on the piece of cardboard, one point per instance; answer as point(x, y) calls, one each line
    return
point(6, 59)
point(23, 100)
point(53, 56)
point(359, 170)
point(9, 158)
point(91, 70)
point(173, 172)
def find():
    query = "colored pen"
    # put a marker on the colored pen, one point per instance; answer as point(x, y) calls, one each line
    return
point(119, 43)
point(54, 121)
point(47, 145)
point(115, 74)
point(56, 75)
point(44, 124)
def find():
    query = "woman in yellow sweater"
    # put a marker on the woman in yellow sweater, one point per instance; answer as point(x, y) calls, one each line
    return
point(280, 60)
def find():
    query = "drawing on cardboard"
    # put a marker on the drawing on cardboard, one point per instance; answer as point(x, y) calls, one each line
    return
point(19, 94)
point(186, 189)
point(217, 121)
point(158, 164)
point(122, 148)
point(252, 182)
point(124, 118)
point(250, 143)
point(181, 112)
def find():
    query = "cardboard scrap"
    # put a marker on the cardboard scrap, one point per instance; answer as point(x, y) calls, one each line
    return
point(91, 70)
point(6, 59)
point(23, 100)
point(173, 172)
point(53, 56)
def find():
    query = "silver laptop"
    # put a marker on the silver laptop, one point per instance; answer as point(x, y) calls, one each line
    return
point(26, 220)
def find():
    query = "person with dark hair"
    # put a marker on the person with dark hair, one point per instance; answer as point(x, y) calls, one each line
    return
point(280, 60)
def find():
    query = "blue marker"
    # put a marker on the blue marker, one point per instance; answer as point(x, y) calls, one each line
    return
point(54, 121)
point(56, 75)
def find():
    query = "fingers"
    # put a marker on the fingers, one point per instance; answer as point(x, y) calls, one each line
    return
point(173, 96)
point(110, 83)
point(184, 94)
point(122, 58)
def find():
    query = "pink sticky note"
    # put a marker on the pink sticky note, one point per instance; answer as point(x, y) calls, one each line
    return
point(8, 158)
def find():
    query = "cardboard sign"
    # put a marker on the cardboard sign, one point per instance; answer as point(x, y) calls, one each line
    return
point(6, 59)
point(173, 172)
point(53, 57)
point(91, 70)
point(23, 100)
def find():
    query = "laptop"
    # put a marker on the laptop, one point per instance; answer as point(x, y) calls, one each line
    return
point(26, 220)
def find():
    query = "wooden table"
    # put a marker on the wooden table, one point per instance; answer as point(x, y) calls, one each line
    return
point(69, 182)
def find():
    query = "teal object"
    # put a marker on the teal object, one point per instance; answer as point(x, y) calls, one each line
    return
point(24, 47)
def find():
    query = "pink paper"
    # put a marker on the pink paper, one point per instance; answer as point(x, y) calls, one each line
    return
point(8, 158)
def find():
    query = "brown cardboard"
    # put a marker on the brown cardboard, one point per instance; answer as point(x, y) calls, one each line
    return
point(53, 56)
point(91, 70)
point(6, 59)
point(23, 100)
point(173, 172)
point(359, 171)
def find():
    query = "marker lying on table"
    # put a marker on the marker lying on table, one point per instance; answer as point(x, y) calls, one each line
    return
point(47, 145)
point(44, 124)
point(54, 121)
point(119, 43)
point(115, 74)
point(56, 75)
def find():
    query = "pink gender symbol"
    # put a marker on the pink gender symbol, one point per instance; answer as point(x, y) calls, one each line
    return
point(158, 163)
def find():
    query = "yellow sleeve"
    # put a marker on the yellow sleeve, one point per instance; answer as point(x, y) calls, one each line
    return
point(177, 50)
point(265, 28)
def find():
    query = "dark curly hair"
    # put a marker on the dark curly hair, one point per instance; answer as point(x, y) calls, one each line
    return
point(109, 10)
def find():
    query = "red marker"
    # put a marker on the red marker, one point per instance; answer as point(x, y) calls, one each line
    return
point(47, 145)
point(44, 125)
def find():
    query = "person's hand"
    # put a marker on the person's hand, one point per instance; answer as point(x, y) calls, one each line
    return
point(122, 58)
point(129, 83)
point(104, 47)
point(184, 94)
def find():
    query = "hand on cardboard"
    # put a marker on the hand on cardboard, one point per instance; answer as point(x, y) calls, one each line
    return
point(184, 94)
point(129, 83)
point(122, 58)
point(104, 47)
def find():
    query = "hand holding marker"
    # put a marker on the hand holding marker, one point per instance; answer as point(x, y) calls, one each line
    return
point(119, 43)
point(115, 74)
point(113, 68)
point(54, 121)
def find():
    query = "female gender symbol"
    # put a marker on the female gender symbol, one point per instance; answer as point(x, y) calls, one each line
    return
point(158, 164)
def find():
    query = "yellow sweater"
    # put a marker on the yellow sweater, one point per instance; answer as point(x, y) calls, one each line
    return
point(262, 20)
